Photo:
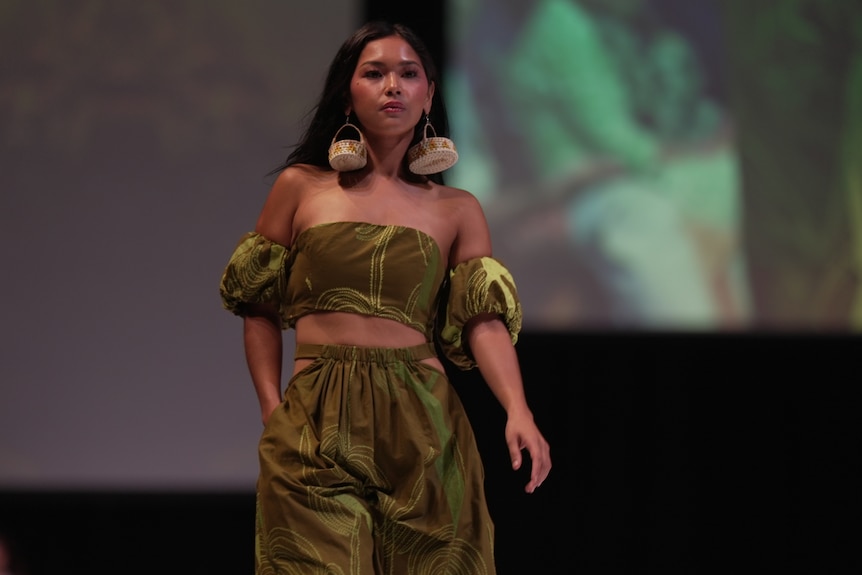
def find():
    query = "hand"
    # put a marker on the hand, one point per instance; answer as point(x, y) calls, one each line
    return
point(522, 434)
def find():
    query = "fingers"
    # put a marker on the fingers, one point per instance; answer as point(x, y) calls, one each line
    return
point(540, 460)
point(515, 455)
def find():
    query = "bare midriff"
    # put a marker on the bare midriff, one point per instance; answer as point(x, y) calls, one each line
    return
point(341, 328)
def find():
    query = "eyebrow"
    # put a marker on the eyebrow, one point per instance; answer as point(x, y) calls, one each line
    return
point(401, 64)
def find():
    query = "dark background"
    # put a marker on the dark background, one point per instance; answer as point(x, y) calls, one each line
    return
point(659, 464)
point(673, 452)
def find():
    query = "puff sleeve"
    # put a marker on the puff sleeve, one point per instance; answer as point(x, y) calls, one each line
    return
point(256, 273)
point(476, 286)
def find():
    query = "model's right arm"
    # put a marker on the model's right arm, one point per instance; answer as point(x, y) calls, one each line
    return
point(263, 355)
point(262, 329)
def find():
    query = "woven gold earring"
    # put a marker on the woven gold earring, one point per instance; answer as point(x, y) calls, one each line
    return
point(431, 155)
point(347, 155)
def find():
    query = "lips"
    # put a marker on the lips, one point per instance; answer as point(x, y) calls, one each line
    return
point(393, 106)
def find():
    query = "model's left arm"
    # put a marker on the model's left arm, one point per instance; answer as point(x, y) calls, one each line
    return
point(481, 327)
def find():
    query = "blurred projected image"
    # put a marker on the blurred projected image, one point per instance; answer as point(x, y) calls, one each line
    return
point(598, 137)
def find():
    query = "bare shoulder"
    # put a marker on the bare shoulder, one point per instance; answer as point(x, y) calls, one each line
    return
point(459, 200)
point(288, 191)
point(300, 178)
point(471, 234)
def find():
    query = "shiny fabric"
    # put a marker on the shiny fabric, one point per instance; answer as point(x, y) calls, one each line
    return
point(477, 286)
point(370, 467)
point(393, 272)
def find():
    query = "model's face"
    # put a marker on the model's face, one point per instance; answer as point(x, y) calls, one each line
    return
point(389, 91)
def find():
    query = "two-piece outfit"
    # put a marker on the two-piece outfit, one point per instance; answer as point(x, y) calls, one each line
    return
point(370, 466)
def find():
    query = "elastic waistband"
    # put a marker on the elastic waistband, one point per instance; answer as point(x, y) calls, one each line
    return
point(370, 354)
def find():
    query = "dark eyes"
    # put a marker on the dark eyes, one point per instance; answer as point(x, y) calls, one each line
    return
point(378, 74)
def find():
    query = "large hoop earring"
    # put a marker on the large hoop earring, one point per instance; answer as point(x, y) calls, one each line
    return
point(431, 155)
point(347, 155)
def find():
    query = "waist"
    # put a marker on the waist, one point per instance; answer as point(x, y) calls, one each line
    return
point(359, 353)
point(353, 329)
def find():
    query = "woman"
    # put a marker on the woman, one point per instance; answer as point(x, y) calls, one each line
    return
point(367, 462)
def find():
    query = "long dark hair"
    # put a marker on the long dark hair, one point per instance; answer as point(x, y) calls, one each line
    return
point(328, 113)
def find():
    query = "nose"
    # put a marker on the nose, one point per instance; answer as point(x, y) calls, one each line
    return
point(392, 85)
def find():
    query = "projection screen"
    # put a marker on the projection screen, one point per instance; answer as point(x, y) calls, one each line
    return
point(666, 165)
point(136, 141)
point(645, 165)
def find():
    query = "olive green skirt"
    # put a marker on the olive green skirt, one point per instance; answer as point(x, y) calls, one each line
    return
point(370, 467)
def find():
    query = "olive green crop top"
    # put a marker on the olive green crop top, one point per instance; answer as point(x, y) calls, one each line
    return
point(386, 271)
